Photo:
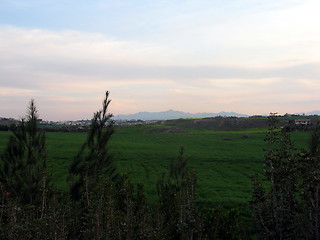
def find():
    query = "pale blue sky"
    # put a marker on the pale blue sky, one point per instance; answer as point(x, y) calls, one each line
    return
point(248, 56)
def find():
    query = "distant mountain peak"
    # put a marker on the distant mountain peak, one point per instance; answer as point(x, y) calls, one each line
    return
point(174, 114)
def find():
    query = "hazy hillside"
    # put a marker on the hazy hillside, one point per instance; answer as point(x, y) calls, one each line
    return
point(171, 114)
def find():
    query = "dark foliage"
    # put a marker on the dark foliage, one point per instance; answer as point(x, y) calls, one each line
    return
point(289, 208)
point(310, 184)
point(4, 128)
point(94, 159)
point(23, 168)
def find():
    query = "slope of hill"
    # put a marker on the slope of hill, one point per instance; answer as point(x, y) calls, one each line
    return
point(220, 123)
point(313, 113)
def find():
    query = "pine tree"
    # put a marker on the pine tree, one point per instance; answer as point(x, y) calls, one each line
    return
point(94, 158)
point(176, 193)
point(311, 183)
point(314, 143)
point(23, 167)
point(276, 210)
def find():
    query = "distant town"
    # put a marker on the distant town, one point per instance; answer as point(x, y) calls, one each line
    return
point(79, 125)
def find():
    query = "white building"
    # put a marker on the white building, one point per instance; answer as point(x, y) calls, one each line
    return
point(302, 121)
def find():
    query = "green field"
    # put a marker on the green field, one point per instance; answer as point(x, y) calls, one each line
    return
point(223, 160)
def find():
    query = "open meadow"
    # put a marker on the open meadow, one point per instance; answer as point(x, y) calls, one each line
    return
point(223, 161)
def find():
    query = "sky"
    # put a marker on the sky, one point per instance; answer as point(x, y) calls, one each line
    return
point(245, 56)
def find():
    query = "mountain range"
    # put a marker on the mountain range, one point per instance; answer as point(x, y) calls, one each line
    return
point(312, 113)
point(171, 114)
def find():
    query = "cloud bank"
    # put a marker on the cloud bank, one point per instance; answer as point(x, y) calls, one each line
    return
point(252, 60)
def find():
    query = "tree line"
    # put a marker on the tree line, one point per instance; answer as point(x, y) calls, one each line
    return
point(103, 204)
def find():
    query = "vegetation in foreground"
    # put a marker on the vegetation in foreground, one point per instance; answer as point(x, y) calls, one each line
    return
point(104, 204)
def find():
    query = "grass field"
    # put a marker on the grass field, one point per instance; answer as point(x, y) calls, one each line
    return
point(222, 160)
